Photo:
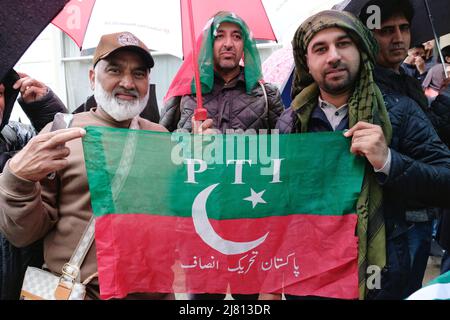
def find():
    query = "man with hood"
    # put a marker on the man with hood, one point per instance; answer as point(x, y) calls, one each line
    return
point(234, 96)
point(334, 89)
point(57, 207)
point(40, 104)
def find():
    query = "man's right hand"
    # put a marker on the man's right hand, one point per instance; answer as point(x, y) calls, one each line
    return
point(44, 154)
point(205, 127)
point(31, 89)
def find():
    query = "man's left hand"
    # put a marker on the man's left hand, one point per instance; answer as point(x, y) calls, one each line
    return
point(30, 89)
point(368, 141)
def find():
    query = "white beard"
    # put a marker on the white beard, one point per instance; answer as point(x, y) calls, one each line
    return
point(118, 109)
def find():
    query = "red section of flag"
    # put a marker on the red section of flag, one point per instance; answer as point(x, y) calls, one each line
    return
point(135, 253)
point(302, 255)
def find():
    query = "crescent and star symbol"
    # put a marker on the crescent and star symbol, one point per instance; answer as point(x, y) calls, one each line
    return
point(256, 198)
point(207, 233)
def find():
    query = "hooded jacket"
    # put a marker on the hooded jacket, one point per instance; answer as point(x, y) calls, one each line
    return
point(241, 104)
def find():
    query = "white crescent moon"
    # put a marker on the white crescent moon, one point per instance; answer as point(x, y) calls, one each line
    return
point(207, 233)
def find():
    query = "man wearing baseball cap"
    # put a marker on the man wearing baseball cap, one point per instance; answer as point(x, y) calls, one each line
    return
point(38, 204)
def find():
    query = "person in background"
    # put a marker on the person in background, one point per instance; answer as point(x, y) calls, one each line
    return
point(415, 64)
point(407, 163)
point(435, 79)
point(394, 39)
point(40, 104)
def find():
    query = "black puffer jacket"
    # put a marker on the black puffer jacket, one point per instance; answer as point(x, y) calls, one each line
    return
point(229, 106)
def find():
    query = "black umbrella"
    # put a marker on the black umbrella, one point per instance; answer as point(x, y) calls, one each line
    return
point(20, 24)
point(431, 18)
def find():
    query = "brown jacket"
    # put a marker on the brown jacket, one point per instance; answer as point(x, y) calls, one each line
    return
point(57, 209)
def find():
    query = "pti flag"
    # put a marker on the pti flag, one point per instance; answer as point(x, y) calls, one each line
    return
point(239, 213)
point(438, 289)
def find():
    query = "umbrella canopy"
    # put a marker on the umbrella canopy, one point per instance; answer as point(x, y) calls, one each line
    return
point(421, 25)
point(15, 35)
point(278, 69)
point(287, 15)
point(161, 25)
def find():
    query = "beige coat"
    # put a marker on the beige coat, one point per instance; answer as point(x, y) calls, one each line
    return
point(58, 209)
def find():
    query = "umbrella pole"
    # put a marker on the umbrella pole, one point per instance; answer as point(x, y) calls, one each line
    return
point(200, 113)
point(436, 38)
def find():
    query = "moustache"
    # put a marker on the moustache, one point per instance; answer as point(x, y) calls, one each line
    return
point(132, 92)
point(336, 67)
point(227, 51)
point(397, 47)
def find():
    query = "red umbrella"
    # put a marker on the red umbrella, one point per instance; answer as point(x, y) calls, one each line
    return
point(157, 23)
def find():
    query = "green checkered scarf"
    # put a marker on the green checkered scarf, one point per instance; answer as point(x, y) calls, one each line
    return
point(252, 61)
point(366, 104)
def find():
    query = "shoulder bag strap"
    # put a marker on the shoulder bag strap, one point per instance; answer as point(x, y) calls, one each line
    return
point(71, 269)
point(266, 108)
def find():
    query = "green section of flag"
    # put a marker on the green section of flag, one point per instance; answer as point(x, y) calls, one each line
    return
point(133, 171)
point(438, 289)
point(442, 279)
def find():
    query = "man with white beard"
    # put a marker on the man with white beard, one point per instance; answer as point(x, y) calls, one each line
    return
point(57, 207)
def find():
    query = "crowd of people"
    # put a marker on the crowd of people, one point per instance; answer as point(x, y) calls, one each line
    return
point(392, 100)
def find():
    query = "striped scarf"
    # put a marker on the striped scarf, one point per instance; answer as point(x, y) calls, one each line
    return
point(366, 104)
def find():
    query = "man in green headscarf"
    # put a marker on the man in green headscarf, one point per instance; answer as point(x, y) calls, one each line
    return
point(334, 90)
point(233, 95)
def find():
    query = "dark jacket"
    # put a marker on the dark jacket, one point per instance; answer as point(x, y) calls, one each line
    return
point(14, 136)
point(438, 111)
point(444, 230)
point(229, 106)
point(419, 177)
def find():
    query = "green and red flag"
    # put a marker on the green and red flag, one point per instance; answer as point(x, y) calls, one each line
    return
point(437, 289)
point(224, 213)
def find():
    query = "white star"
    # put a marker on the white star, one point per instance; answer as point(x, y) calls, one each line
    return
point(256, 198)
